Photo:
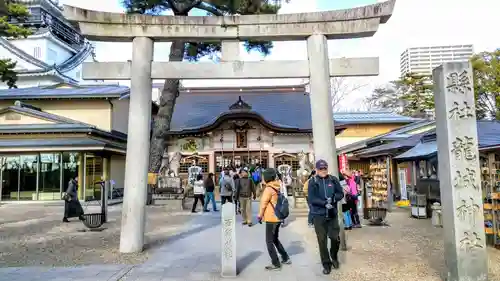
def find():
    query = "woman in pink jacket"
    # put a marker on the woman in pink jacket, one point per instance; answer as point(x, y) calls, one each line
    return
point(352, 198)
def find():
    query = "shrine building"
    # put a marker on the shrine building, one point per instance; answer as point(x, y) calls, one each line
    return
point(231, 126)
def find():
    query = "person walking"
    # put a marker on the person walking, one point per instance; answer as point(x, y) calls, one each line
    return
point(227, 187)
point(209, 193)
point(268, 201)
point(199, 192)
point(306, 189)
point(245, 193)
point(351, 198)
point(72, 206)
point(324, 193)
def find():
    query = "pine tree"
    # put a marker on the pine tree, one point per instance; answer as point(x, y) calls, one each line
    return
point(11, 12)
point(192, 51)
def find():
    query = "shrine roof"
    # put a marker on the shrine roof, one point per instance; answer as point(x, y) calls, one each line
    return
point(64, 91)
point(286, 109)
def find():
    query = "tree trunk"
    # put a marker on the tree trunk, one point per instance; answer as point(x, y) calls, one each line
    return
point(161, 125)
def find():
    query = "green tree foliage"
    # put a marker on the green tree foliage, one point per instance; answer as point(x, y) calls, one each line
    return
point(11, 12)
point(487, 84)
point(192, 51)
point(411, 95)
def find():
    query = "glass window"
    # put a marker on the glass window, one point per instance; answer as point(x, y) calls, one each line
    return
point(10, 177)
point(49, 184)
point(27, 177)
point(94, 175)
point(70, 162)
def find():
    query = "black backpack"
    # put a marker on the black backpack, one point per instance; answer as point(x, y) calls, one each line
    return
point(282, 208)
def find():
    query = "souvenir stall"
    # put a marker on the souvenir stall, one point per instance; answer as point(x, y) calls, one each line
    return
point(379, 182)
point(377, 189)
point(490, 183)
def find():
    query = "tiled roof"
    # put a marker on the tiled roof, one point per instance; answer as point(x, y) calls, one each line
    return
point(70, 142)
point(389, 147)
point(369, 117)
point(283, 109)
point(51, 92)
point(488, 133)
point(197, 110)
point(396, 134)
point(40, 114)
point(488, 136)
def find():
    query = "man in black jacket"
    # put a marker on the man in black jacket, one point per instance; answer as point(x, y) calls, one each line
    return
point(323, 194)
point(245, 192)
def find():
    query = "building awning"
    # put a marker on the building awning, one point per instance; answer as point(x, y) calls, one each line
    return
point(421, 150)
point(60, 144)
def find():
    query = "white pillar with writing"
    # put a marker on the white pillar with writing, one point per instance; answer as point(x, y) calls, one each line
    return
point(461, 196)
point(228, 247)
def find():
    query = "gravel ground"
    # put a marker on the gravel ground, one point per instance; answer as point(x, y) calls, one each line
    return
point(409, 249)
point(33, 235)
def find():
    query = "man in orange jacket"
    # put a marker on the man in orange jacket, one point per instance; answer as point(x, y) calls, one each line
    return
point(267, 214)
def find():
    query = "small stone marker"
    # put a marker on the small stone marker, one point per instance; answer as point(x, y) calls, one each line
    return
point(228, 237)
point(461, 195)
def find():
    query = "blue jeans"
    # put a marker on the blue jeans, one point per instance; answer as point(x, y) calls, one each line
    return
point(347, 219)
point(209, 196)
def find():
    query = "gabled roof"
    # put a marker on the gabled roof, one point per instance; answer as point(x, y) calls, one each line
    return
point(61, 124)
point(391, 147)
point(400, 133)
point(62, 143)
point(282, 107)
point(488, 133)
point(381, 117)
point(39, 114)
point(65, 91)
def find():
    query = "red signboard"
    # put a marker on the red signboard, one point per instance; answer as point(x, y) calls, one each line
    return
point(343, 164)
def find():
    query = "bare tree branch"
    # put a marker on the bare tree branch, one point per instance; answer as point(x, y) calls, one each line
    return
point(341, 88)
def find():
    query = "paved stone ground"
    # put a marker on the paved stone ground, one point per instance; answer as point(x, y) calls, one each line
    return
point(410, 250)
point(195, 256)
point(191, 255)
point(33, 235)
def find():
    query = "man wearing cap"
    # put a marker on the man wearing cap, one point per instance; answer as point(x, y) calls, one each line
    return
point(245, 191)
point(324, 192)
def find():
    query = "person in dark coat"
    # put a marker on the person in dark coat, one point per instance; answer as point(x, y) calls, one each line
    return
point(324, 192)
point(72, 206)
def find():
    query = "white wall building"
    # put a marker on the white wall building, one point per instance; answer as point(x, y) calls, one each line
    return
point(422, 60)
point(55, 51)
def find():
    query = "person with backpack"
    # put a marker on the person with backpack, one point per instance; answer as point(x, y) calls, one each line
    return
point(323, 194)
point(273, 210)
point(245, 191)
point(227, 187)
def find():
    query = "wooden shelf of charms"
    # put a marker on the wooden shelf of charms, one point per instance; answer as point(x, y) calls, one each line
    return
point(378, 174)
point(490, 184)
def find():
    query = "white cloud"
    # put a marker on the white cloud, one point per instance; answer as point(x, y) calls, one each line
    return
point(423, 23)
point(414, 23)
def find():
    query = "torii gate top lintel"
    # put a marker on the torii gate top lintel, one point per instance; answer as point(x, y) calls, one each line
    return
point(337, 24)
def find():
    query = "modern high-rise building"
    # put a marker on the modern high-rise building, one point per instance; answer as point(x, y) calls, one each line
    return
point(422, 60)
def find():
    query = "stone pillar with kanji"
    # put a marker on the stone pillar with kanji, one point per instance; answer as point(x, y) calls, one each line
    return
point(461, 195)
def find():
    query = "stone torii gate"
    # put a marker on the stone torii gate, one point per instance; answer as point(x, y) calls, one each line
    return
point(144, 30)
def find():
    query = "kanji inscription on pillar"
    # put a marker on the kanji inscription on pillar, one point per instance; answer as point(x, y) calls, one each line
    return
point(228, 240)
point(459, 176)
point(459, 82)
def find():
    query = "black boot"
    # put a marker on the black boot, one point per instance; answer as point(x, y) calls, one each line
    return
point(65, 220)
point(334, 253)
point(327, 270)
